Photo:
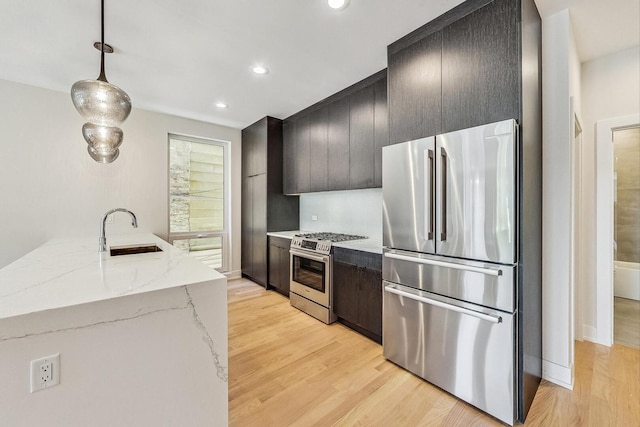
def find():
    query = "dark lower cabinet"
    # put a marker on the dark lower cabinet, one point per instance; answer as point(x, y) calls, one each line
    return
point(357, 293)
point(279, 264)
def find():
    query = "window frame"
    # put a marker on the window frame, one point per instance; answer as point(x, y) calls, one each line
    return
point(225, 233)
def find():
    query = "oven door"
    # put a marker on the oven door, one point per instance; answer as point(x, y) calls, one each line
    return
point(310, 276)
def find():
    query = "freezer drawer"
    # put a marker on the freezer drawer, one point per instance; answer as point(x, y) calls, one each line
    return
point(461, 348)
point(490, 285)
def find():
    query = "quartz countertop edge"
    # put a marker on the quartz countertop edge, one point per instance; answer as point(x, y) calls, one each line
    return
point(66, 272)
point(366, 245)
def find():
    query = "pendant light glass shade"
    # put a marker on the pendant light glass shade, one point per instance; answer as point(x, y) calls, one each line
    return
point(102, 158)
point(101, 102)
point(105, 106)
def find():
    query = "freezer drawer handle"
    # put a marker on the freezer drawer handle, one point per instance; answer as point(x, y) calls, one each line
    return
point(488, 271)
point(482, 316)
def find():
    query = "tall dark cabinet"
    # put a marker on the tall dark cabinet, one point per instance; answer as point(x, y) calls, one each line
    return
point(264, 206)
point(479, 63)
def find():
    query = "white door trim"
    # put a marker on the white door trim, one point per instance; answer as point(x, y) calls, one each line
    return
point(604, 223)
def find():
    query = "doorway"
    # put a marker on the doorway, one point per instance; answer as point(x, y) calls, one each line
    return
point(626, 236)
point(606, 244)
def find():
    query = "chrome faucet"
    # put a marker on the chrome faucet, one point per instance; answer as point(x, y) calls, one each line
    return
point(102, 242)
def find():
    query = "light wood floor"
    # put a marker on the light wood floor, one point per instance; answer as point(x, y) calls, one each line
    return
point(288, 369)
point(626, 327)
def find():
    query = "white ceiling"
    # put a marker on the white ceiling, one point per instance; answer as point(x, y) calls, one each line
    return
point(182, 56)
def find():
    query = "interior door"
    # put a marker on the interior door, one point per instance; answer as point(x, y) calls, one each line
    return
point(408, 190)
point(476, 193)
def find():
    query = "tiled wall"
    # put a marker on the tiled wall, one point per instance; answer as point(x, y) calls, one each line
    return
point(351, 212)
point(626, 149)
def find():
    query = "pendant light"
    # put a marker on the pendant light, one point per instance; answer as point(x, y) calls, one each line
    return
point(105, 106)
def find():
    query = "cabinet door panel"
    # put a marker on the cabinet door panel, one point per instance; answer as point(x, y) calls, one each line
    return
point(338, 145)
point(370, 309)
point(289, 157)
point(480, 82)
point(302, 154)
point(274, 266)
point(415, 98)
point(345, 291)
point(361, 138)
point(381, 128)
point(259, 228)
point(247, 226)
point(284, 270)
point(318, 149)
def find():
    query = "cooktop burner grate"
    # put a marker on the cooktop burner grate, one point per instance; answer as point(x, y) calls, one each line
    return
point(333, 237)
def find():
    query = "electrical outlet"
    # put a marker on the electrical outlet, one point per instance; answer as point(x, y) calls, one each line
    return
point(45, 372)
point(314, 217)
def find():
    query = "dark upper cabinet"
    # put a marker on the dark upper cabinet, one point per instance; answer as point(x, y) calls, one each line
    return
point(415, 106)
point(381, 128)
point(362, 138)
point(458, 71)
point(480, 71)
point(301, 169)
point(289, 157)
point(264, 207)
point(255, 147)
point(318, 149)
point(338, 144)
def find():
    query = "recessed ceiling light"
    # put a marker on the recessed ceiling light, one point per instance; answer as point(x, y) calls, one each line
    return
point(338, 4)
point(260, 69)
point(221, 105)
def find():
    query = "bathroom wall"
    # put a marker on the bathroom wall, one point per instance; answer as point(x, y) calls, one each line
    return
point(50, 186)
point(626, 151)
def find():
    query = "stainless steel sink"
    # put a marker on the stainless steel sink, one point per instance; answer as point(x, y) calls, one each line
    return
point(133, 249)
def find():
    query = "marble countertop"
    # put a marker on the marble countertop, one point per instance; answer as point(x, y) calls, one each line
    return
point(68, 272)
point(366, 245)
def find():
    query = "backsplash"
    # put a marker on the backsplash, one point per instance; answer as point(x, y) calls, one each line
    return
point(352, 212)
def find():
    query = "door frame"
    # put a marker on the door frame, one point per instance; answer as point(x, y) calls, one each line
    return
point(604, 222)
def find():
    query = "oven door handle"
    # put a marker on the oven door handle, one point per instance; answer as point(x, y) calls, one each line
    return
point(318, 258)
point(394, 290)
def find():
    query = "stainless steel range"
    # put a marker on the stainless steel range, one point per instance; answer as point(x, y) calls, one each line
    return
point(311, 274)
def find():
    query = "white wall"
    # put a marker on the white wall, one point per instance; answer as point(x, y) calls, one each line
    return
point(50, 186)
point(560, 77)
point(610, 89)
point(350, 212)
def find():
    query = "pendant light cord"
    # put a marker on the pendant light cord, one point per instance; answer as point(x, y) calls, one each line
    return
point(103, 76)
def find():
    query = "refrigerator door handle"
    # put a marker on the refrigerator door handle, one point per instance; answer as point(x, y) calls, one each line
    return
point(443, 169)
point(488, 317)
point(483, 270)
point(430, 200)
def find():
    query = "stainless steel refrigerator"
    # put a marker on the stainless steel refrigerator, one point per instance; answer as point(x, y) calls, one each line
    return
point(451, 265)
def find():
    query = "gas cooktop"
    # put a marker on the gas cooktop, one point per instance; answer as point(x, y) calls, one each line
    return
point(320, 242)
point(332, 237)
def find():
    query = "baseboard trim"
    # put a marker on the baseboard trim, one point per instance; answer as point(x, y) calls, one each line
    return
point(237, 274)
point(589, 333)
point(557, 374)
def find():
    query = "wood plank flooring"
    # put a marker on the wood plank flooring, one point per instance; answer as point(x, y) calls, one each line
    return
point(288, 369)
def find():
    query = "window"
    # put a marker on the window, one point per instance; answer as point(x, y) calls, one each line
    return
point(198, 202)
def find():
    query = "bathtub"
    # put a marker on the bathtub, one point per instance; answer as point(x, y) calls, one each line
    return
point(626, 280)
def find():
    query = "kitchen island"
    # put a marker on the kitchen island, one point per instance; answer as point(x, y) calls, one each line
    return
point(142, 338)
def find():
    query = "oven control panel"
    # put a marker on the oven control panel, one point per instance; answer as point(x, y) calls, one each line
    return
point(312, 245)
